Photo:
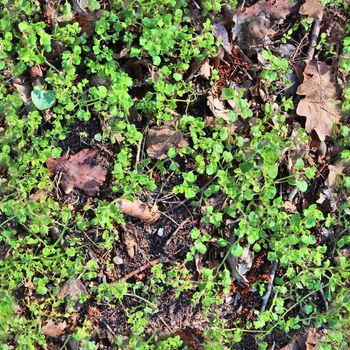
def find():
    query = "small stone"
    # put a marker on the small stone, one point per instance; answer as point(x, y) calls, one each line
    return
point(118, 260)
point(160, 232)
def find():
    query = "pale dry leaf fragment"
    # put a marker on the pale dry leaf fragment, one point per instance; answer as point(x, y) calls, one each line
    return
point(312, 8)
point(24, 89)
point(217, 107)
point(54, 330)
point(160, 140)
point(241, 265)
point(129, 240)
point(137, 209)
point(319, 105)
point(205, 70)
point(78, 171)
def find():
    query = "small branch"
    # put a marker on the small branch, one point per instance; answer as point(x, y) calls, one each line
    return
point(324, 298)
point(183, 223)
point(140, 269)
point(313, 40)
point(266, 297)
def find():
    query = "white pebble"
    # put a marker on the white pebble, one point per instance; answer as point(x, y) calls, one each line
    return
point(118, 260)
point(160, 232)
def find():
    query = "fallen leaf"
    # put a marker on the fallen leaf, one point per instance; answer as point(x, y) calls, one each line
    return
point(312, 8)
point(77, 171)
point(73, 289)
point(159, 141)
point(137, 209)
point(54, 330)
point(239, 266)
point(220, 33)
point(328, 192)
point(319, 105)
point(205, 70)
point(24, 89)
point(217, 107)
point(254, 25)
point(129, 239)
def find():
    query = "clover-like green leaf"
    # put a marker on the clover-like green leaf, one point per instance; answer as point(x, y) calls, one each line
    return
point(43, 99)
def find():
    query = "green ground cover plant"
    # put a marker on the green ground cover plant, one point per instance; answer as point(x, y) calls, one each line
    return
point(212, 215)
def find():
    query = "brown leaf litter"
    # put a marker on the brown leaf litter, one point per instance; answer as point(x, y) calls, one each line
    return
point(54, 330)
point(137, 209)
point(160, 140)
point(319, 105)
point(255, 25)
point(78, 172)
point(312, 8)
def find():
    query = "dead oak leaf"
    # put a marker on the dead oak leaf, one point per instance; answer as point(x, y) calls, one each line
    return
point(319, 105)
point(312, 8)
point(54, 330)
point(160, 140)
point(78, 171)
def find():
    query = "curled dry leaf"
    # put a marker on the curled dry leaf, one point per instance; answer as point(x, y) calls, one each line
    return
point(319, 105)
point(159, 141)
point(78, 171)
point(129, 239)
point(54, 330)
point(137, 209)
point(312, 8)
point(24, 89)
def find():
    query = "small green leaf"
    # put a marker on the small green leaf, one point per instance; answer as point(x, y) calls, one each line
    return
point(302, 185)
point(43, 99)
point(236, 250)
point(200, 247)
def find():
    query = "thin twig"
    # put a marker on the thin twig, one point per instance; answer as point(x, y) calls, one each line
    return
point(140, 269)
point(324, 298)
point(183, 223)
point(266, 297)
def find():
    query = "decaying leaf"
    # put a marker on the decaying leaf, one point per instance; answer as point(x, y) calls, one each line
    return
point(255, 24)
point(241, 265)
point(220, 33)
point(24, 89)
point(308, 341)
point(217, 107)
point(72, 289)
point(205, 70)
point(54, 330)
point(328, 192)
point(159, 141)
point(129, 239)
point(78, 171)
point(312, 8)
point(137, 209)
point(319, 105)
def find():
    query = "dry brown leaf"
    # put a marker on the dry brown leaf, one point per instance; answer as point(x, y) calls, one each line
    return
point(205, 70)
point(129, 239)
point(217, 107)
point(54, 330)
point(254, 25)
point(319, 105)
point(78, 171)
point(73, 289)
point(159, 141)
point(241, 265)
point(137, 209)
point(312, 8)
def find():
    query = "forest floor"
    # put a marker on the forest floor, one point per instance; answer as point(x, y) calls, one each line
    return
point(175, 174)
